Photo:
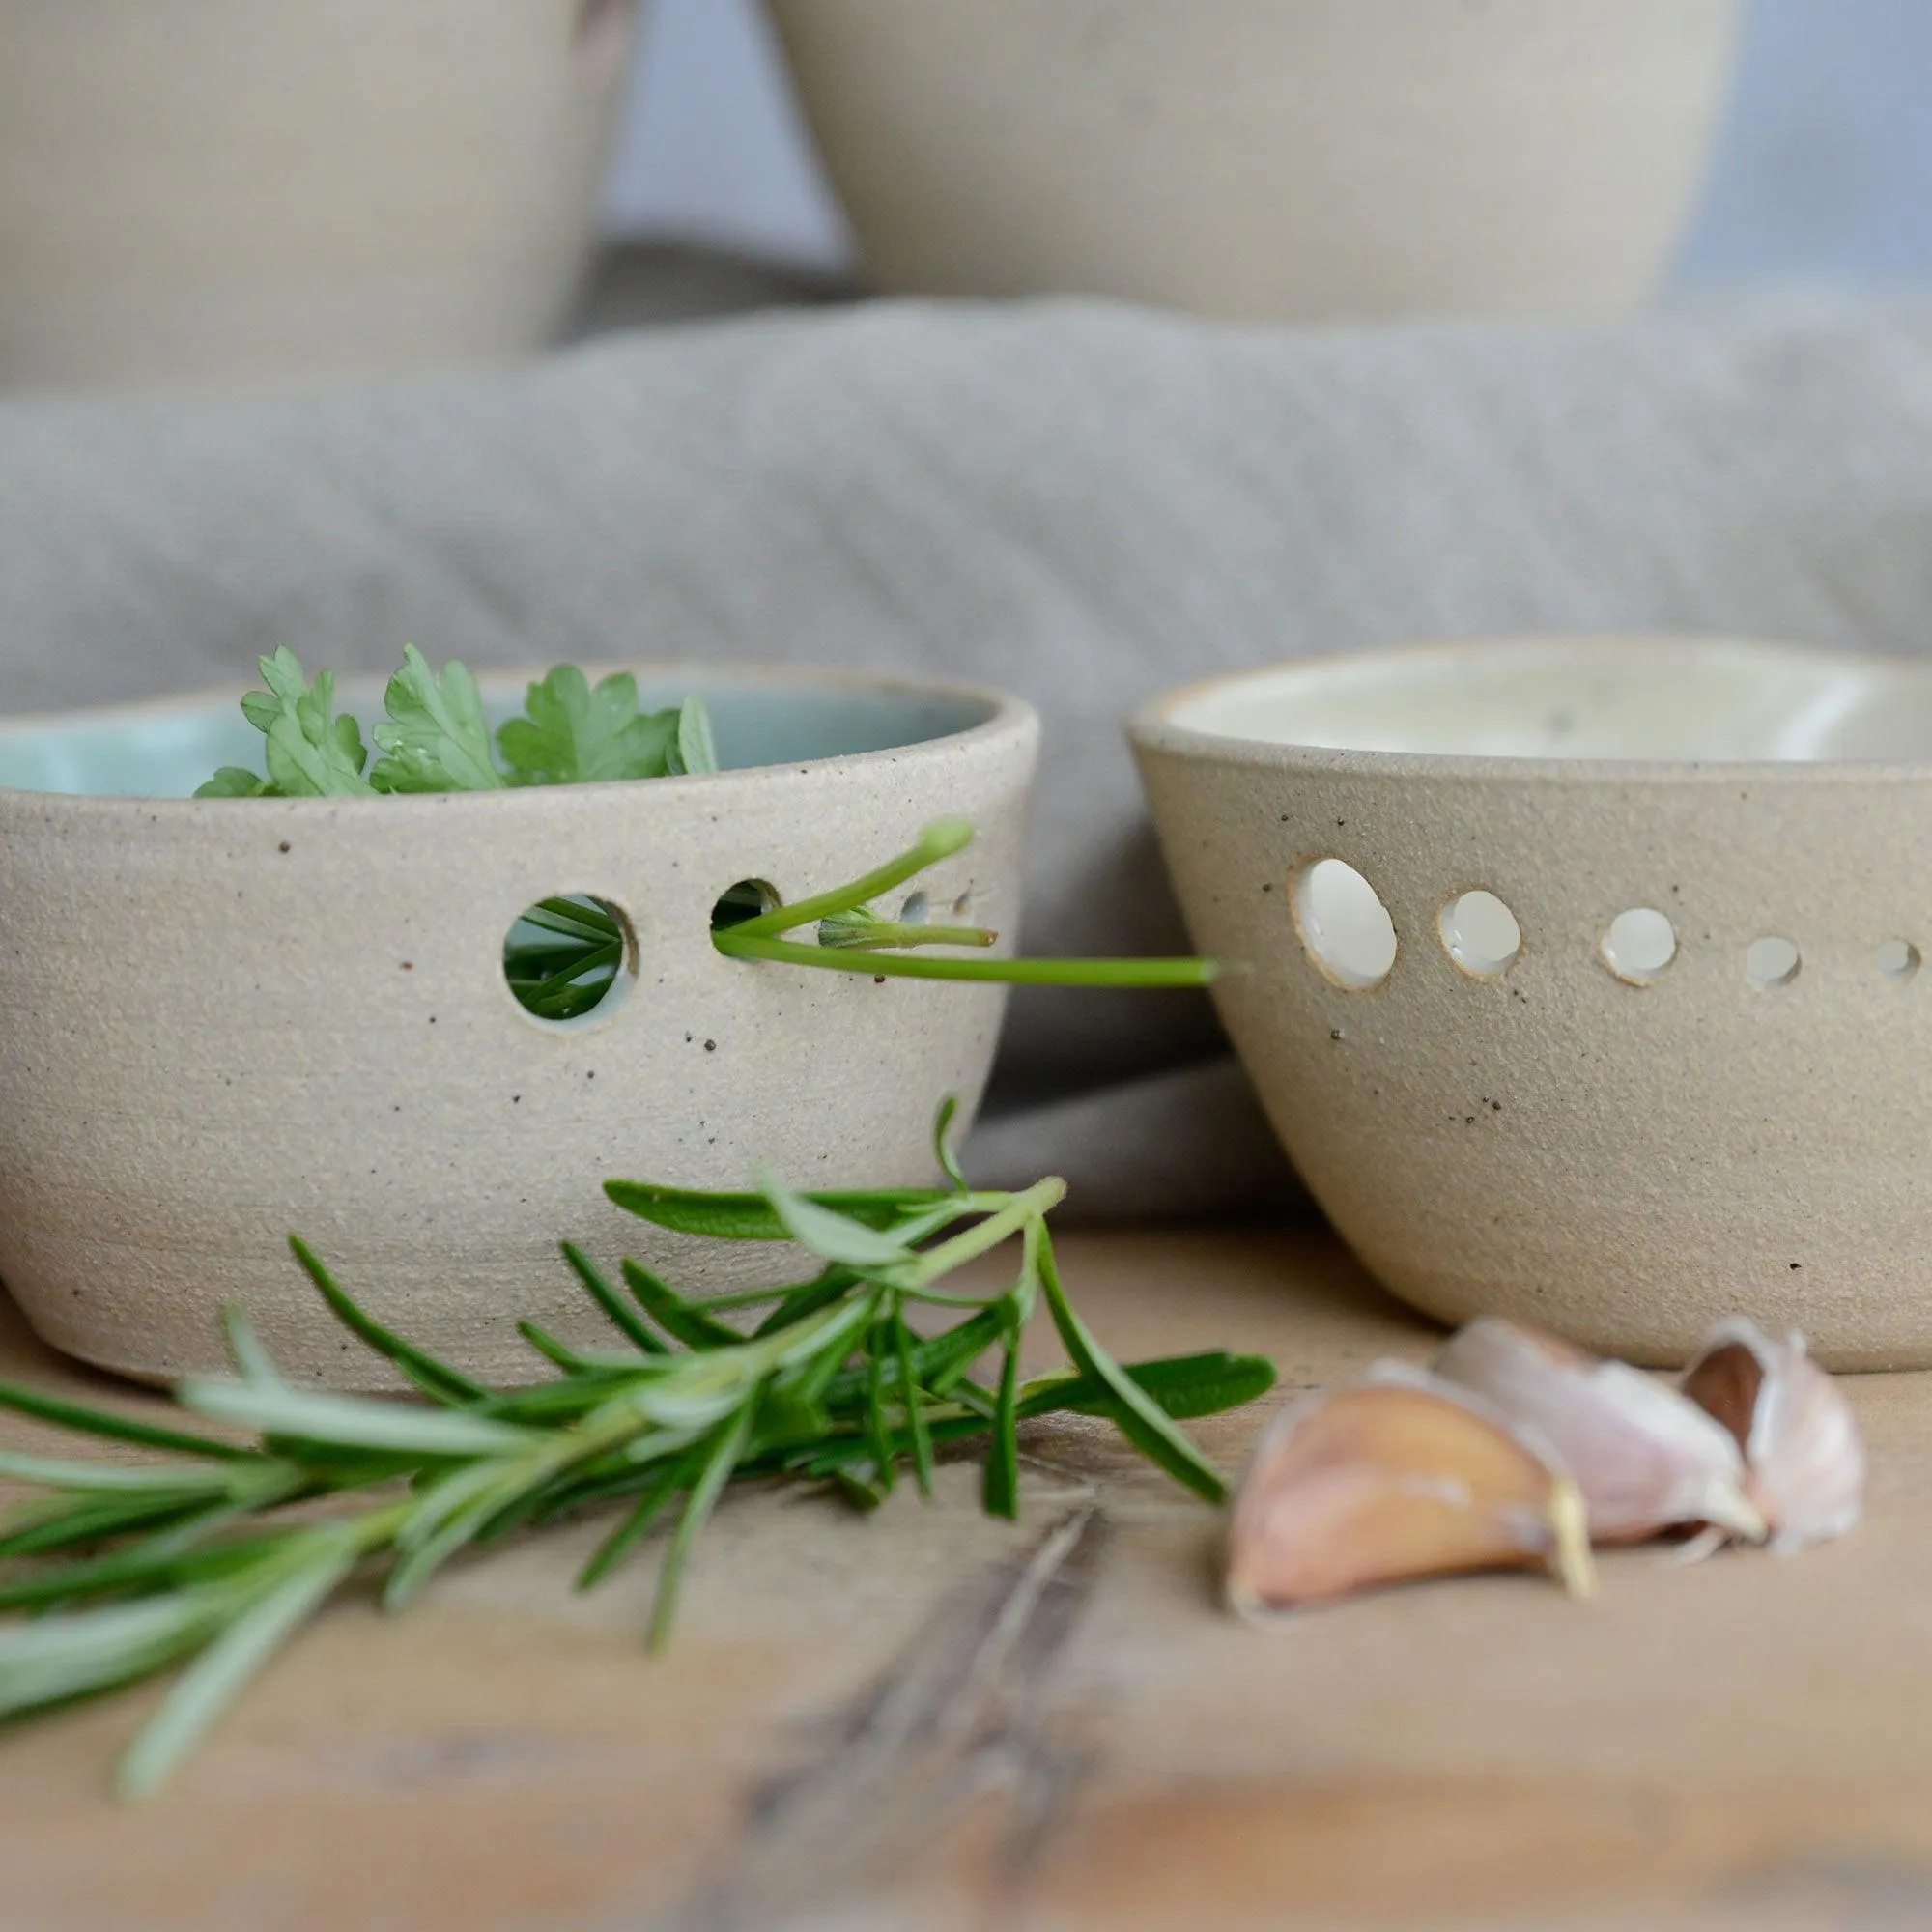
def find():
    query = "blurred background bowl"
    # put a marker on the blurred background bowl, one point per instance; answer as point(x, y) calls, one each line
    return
point(211, 191)
point(1269, 159)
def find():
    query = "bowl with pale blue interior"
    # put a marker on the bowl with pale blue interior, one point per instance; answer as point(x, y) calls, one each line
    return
point(1584, 978)
point(226, 1020)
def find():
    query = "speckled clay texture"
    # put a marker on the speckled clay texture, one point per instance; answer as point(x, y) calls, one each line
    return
point(1624, 1164)
point(225, 1020)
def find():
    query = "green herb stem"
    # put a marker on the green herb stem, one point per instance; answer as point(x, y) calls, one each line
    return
point(849, 930)
point(1145, 974)
point(1021, 1212)
point(940, 840)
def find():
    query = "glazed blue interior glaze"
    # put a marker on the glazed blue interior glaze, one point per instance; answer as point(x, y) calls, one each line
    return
point(146, 753)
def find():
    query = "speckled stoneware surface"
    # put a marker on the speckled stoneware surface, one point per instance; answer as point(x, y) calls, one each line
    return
point(221, 1020)
point(1618, 1132)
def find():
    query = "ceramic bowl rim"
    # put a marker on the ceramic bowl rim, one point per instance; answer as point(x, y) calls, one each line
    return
point(1006, 716)
point(1150, 726)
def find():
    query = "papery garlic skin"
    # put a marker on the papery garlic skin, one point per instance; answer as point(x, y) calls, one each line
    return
point(1804, 1460)
point(1353, 1488)
point(1645, 1457)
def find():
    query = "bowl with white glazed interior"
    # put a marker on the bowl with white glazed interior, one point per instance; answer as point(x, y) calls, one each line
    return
point(225, 1019)
point(1583, 977)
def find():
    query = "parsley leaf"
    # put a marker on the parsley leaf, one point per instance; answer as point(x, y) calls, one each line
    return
point(311, 753)
point(695, 750)
point(434, 737)
point(237, 781)
point(573, 735)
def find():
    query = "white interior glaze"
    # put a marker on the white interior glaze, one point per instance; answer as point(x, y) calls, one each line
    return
point(1617, 698)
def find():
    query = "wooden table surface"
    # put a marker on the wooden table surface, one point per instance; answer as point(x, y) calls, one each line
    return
point(923, 1720)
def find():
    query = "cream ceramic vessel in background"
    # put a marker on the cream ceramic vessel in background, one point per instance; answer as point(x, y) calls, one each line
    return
point(223, 1020)
point(1269, 159)
point(213, 191)
point(1741, 1127)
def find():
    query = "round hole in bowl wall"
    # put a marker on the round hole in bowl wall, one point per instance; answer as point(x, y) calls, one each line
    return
point(916, 910)
point(1344, 924)
point(1897, 959)
point(1639, 945)
point(1771, 962)
point(747, 899)
point(1480, 933)
point(569, 957)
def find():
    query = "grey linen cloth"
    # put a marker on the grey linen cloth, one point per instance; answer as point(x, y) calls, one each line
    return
point(1081, 503)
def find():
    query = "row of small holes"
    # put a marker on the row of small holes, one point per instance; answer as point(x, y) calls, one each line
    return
point(1350, 935)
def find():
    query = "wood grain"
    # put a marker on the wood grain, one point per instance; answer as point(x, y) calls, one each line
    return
point(924, 1720)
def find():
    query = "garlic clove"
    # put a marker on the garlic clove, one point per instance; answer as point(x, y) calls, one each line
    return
point(1393, 1480)
point(1804, 1462)
point(1645, 1457)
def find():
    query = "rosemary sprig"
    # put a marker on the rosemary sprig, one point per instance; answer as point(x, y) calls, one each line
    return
point(197, 1561)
